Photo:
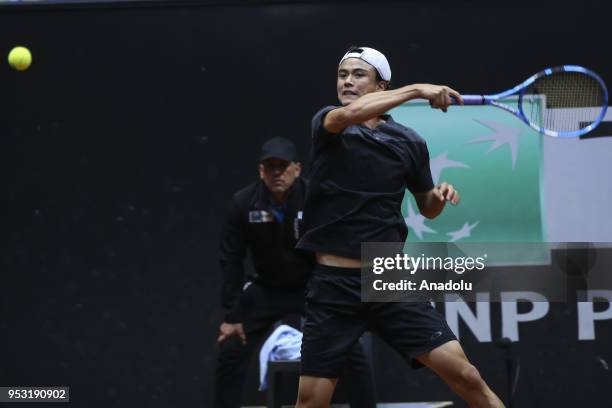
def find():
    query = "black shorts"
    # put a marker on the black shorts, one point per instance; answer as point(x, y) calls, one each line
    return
point(336, 318)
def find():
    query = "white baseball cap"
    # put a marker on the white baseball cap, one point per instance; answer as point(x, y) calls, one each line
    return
point(373, 57)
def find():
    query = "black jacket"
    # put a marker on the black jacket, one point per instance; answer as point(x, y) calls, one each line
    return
point(250, 224)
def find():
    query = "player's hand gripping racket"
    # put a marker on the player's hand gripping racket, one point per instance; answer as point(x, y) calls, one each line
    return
point(565, 101)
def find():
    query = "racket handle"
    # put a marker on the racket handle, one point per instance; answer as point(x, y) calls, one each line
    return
point(471, 100)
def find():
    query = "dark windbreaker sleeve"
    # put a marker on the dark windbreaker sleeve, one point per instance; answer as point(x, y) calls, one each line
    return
point(232, 254)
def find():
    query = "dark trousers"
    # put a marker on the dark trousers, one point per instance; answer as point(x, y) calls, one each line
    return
point(263, 308)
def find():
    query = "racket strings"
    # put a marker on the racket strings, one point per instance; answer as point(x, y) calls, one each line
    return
point(564, 101)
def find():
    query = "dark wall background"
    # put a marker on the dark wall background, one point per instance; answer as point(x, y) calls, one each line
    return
point(128, 134)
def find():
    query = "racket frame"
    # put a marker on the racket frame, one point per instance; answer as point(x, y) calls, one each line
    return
point(520, 90)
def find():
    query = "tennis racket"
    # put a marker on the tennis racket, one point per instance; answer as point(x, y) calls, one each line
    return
point(564, 101)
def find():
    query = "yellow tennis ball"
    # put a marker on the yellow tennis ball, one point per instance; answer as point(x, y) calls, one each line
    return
point(20, 58)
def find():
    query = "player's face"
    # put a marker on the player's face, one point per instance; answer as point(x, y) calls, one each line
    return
point(279, 175)
point(356, 78)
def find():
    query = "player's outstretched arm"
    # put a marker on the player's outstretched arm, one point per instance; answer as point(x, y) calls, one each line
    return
point(374, 104)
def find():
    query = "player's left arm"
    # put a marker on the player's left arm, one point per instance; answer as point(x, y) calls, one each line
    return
point(432, 202)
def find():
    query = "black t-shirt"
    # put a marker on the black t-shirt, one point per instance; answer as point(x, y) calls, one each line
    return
point(357, 183)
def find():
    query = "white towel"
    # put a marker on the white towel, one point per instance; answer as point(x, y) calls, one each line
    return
point(283, 344)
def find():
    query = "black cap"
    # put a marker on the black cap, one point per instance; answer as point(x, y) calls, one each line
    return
point(278, 148)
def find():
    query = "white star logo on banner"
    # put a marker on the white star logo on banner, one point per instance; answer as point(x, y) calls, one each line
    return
point(440, 162)
point(463, 232)
point(501, 135)
point(417, 223)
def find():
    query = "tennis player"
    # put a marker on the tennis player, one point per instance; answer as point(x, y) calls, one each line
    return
point(362, 163)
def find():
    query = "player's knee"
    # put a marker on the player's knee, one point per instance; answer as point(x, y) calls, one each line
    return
point(470, 377)
point(307, 398)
